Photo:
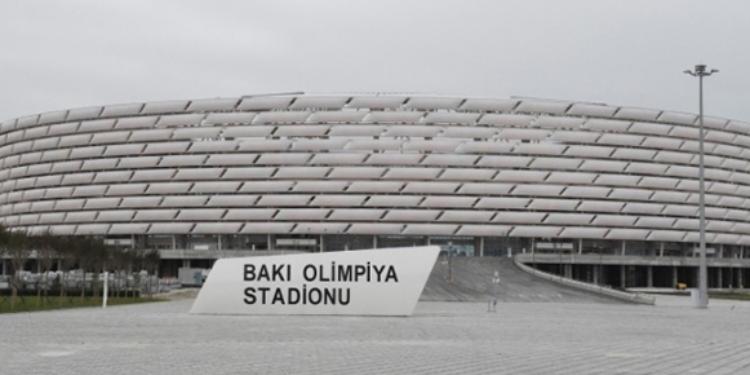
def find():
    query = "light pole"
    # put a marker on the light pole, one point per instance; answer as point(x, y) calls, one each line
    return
point(702, 303)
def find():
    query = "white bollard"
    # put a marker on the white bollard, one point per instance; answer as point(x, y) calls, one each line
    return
point(105, 292)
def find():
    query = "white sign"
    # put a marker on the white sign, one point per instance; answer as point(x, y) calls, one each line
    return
point(361, 282)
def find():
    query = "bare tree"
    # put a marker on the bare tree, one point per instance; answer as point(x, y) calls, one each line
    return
point(18, 249)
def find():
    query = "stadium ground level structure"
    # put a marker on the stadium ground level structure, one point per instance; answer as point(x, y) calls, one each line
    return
point(600, 193)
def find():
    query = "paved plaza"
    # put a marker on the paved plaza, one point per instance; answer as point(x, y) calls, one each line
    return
point(441, 338)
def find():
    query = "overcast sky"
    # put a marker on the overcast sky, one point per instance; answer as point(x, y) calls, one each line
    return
point(61, 54)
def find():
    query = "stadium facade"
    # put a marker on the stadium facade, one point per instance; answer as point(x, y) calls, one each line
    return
point(601, 193)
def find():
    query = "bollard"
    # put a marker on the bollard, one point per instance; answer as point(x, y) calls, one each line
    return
point(105, 292)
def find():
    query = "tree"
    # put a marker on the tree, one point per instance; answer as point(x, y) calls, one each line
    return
point(18, 249)
point(46, 254)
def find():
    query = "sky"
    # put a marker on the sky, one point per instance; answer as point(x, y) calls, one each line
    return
point(74, 53)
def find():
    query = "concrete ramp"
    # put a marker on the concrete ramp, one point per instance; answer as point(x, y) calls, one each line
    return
point(472, 282)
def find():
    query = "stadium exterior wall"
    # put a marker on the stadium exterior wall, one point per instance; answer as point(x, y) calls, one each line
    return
point(350, 171)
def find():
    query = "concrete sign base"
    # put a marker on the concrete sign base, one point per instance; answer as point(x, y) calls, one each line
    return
point(361, 282)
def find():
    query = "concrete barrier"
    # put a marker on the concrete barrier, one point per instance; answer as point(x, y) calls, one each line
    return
point(593, 288)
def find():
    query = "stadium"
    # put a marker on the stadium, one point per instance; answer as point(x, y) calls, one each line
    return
point(600, 193)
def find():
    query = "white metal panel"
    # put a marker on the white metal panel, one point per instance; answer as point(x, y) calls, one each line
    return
point(467, 216)
point(118, 110)
point(233, 118)
point(480, 188)
point(235, 200)
point(331, 200)
point(136, 122)
point(650, 128)
point(448, 201)
point(483, 230)
point(356, 214)
point(643, 208)
point(336, 117)
point(283, 158)
point(44, 144)
point(92, 229)
point(301, 131)
point(607, 125)
point(591, 109)
point(614, 220)
point(693, 237)
point(442, 117)
point(600, 206)
point(666, 235)
point(200, 214)
point(213, 146)
point(566, 136)
point(213, 104)
point(489, 105)
point(147, 202)
point(83, 113)
point(154, 215)
point(634, 153)
point(430, 229)
point(394, 159)
point(430, 187)
point(411, 131)
point(524, 134)
point(127, 149)
point(432, 103)
point(374, 144)
point(556, 122)
point(583, 232)
point(489, 147)
point(80, 217)
point(627, 194)
point(468, 132)
point(507, 120)
point(127, 189)
point(617, 180)
point(338, 159)
point(166, 148)
point(198, 174)
point(66, 128)
point(153, 175)
point(542, 148)
point(627, 234)
point(74, 140)
point(135, 228)
point(571, 178)
point(267, 186)
point(538, 190)
point(264, 102)
point(544, 106)
point(181, 160)
point(231, 159)
point(467, 174)
point(302, 214)
point(659, 182)
point(69, 204)
point(393, 201)
point(620, 139)
point(264, 228)
point(327, 228)
point(644, 114)
point(284, 200)
point(99, 164)
point(196, 133)
point(680, 210)
point(184, 201)
point(50, 117)
point(553, 204)
point(535, 231)
point(281, 117)
point(77, 178)
point(356, 130)
point(393, 117)
point(168, 188)
point(555, 163)
point(444, 145)
point(250, 214)
point(96, 125)
point(655, 222)
point(170, 228)
point(215, 187)
point(669, 196)
point(320, 186)
point(150, 135)
point(496, 202)
point(603, 165)
point(503, 161)
point(377, 102)
point(568, 219)
point(49, 218)
point(164, 106)
point(302, 172)
point(224, 228)
point(521, 176)
point(89, 191)
point(662, 143)
point(100, 203)
point(247, 131)
point(411, 173)
point(375, 186)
